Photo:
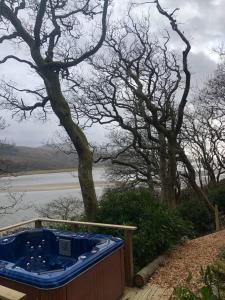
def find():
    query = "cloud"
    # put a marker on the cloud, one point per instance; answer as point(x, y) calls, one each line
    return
point(31, 132)
point(202, 21)
point(201, 66)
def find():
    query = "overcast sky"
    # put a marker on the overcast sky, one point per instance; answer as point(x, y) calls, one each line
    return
point(203, 23)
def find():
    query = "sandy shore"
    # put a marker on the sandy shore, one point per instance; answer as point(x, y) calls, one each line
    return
point(51, 187)
point(34, 172)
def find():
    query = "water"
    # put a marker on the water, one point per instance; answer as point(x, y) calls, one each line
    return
point(39, 189)
point(50, 178)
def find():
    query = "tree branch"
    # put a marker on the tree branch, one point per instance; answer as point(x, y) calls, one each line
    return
point(7, 13)
point(9, 37)
point(6, 58)
point(87, 54)
point(185, 65)
point(38, 23)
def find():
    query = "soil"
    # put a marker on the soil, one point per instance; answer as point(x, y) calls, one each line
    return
point(189, 257)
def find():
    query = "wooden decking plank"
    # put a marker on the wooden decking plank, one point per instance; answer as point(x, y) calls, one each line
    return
point(128, 296)
point(140, 295)
point(9, 294)
point(152, 290)
point(129, 293)
point(158, 294)
point(146, 293)
point(149, 292)
point(167, 294)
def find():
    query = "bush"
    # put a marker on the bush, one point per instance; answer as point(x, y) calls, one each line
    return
point(158, 227)
point(217, 196)
point(212, 286)
point(197, 213)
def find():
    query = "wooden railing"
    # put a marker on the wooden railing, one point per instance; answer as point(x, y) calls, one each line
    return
point(14, 226)
point(127, 230)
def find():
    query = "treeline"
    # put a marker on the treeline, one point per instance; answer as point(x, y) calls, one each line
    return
point(19, 159)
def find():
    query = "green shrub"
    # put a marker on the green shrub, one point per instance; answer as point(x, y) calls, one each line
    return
point(158, 227)
point(217, 196)
point(197, 213)
point(212, 287)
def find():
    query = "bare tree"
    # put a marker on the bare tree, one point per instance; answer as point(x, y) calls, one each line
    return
point(141, 85)
point(2, 123)
point(65, 208)
point(136, 85)
point(204, 130)
point(130, 165)
point(204, 136)
point(13, 201)
point(53, 32)
point(2, 162)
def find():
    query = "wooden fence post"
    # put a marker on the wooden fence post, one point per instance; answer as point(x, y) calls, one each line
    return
point(128, 258)
point(38, 224)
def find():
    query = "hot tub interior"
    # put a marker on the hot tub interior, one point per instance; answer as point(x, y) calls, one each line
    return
point(44, 251)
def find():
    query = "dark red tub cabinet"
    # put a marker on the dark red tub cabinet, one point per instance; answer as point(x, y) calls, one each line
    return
point(103, 281)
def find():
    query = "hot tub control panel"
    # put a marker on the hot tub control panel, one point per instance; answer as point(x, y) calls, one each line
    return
point(65, 247)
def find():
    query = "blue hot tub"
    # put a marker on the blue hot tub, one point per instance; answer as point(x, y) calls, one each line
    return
point(49, 259)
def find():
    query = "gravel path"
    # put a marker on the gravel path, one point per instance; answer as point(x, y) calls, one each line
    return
point(189, 257)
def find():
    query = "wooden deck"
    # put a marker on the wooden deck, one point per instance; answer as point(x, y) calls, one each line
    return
point(9, 294)
point(148, 292)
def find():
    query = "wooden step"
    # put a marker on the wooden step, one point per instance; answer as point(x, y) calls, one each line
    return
point(9, 294)
point(148, 292)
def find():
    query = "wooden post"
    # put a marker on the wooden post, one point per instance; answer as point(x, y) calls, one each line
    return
point(128, 258)
point(142, 277)
point(38, 224)
point(217, 221)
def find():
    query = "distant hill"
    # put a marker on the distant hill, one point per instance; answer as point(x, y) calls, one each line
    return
point(19, 158)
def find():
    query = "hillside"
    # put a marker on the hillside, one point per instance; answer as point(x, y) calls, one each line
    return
point(20, 158)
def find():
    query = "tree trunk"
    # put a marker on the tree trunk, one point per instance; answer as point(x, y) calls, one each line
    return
point(172, 173)
point(199, 192)
point(149, 178)
point(79, 140)
point(212, 177)
point(162, 168)
point(192, 180)
point(168, 171)
point(87, 184)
